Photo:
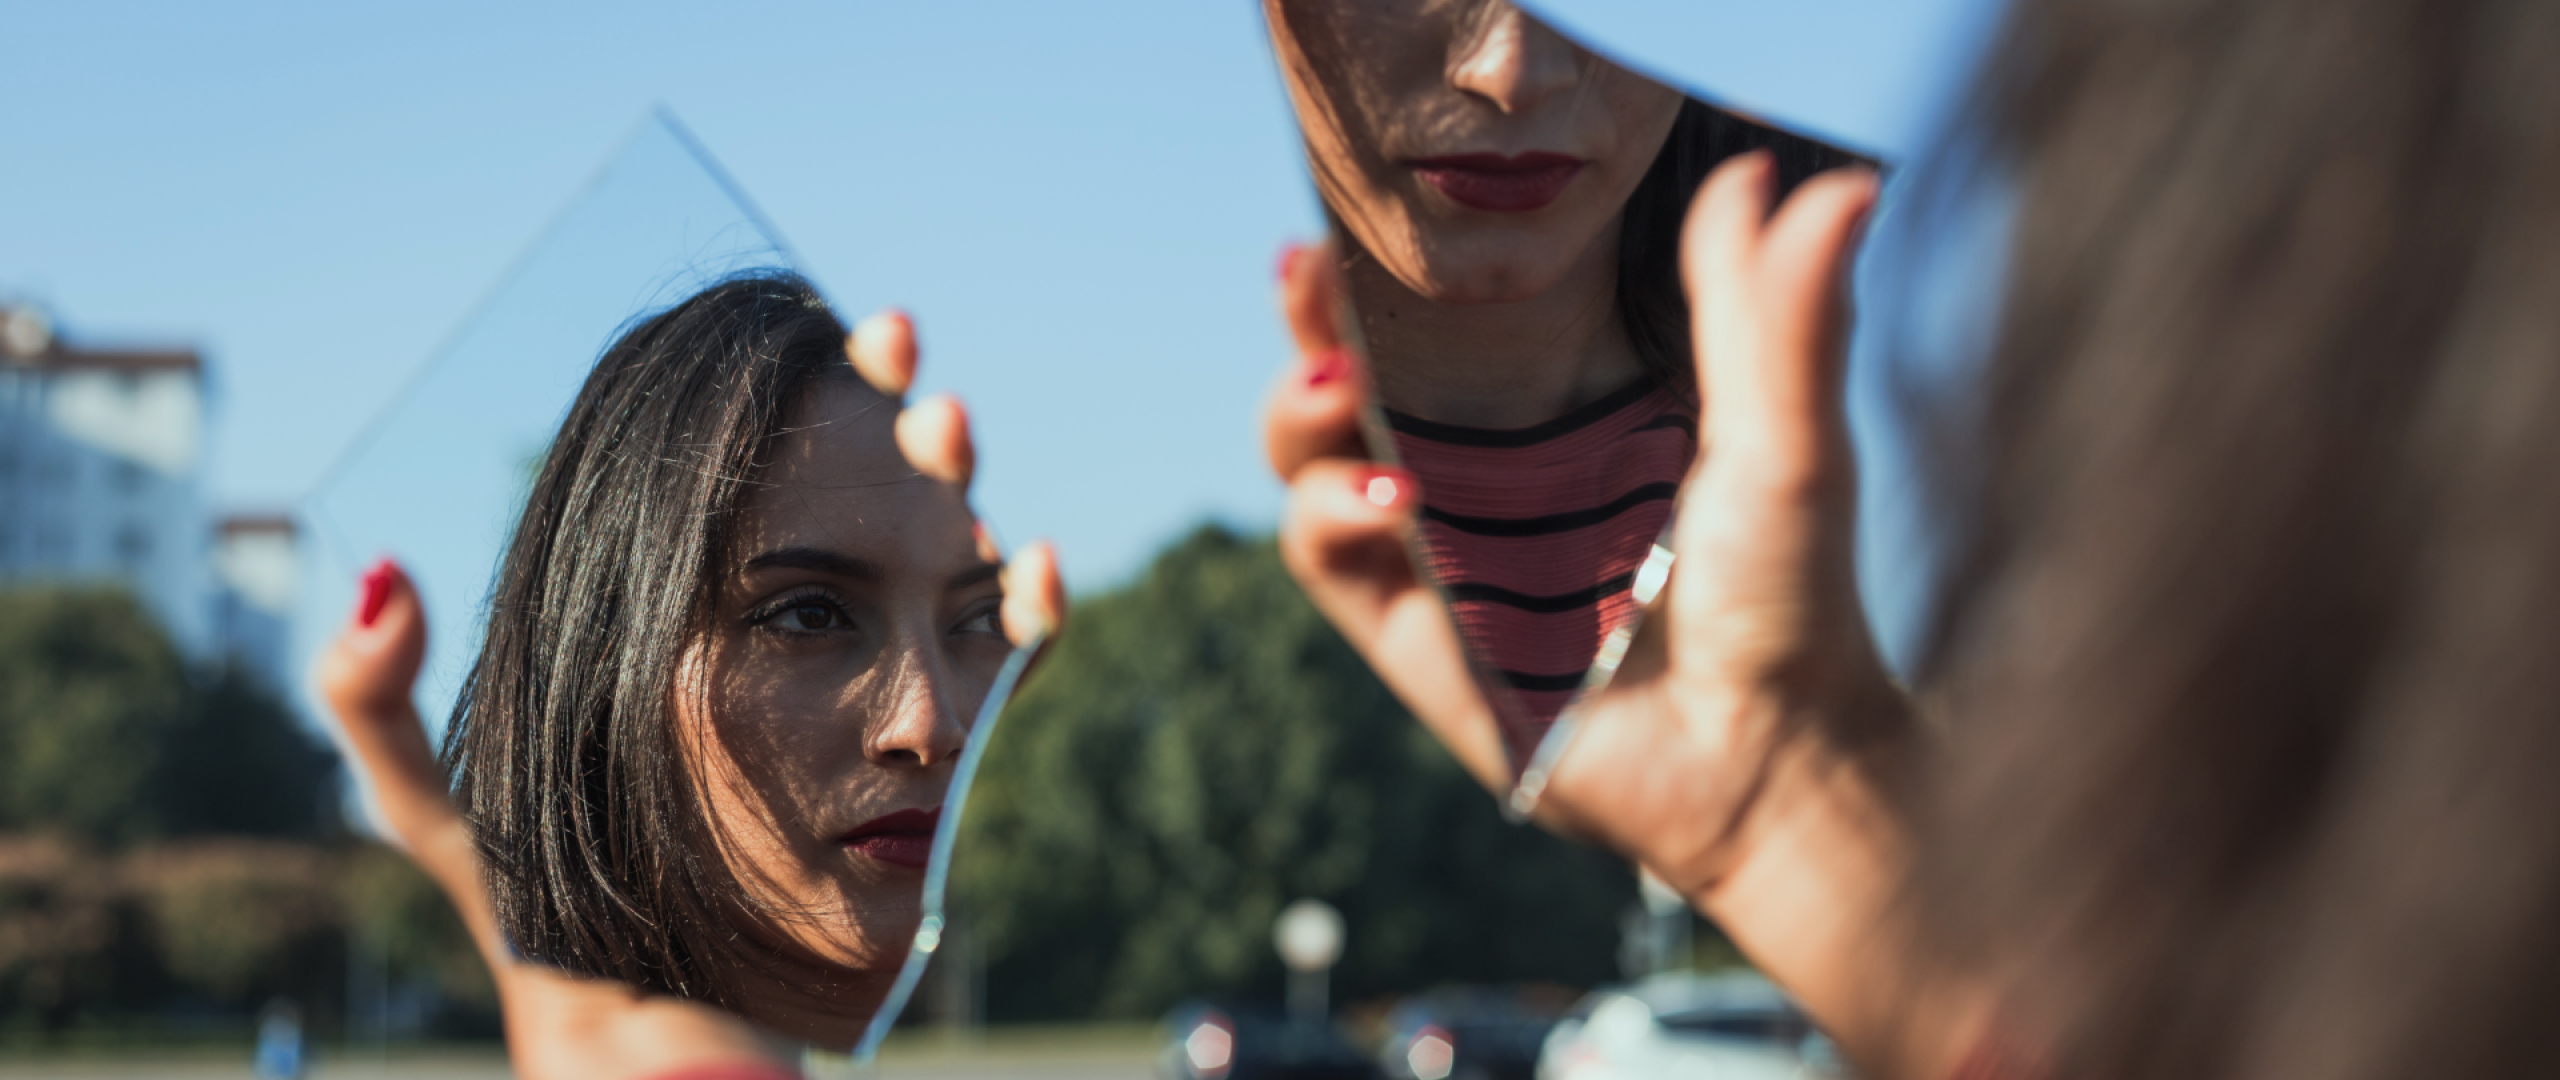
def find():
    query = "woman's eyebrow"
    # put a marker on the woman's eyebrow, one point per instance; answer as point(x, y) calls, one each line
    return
point(833, 563)
point(973, 576)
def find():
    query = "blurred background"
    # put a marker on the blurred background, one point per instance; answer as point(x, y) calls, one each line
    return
point(235, 243)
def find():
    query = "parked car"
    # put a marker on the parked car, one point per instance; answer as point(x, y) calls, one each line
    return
point(1727, 1026)
point(1211, 1041)
point(1467, 1033)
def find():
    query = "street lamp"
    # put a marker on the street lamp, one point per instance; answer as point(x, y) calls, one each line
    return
point(1309, 936)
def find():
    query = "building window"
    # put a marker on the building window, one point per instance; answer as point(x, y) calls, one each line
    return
point(128, 476)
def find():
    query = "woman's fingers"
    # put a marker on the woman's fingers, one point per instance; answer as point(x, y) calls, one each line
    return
point(1310, 297)
point(1314, 411)
point(1805, 259)
point(1343, 538)
point(1344, 532)
point(934, 436)
point(1771, 297)
point(1035, 596)
point(369, 670)
point(883, 351)
point(367, 677)
point(933, 433)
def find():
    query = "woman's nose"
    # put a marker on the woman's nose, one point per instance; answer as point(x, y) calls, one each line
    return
point(921, 723)
point(1512, 61)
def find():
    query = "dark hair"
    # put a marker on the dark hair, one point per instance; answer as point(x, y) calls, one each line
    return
point(568, 766)
point(1651, 303)
point(2252, 641)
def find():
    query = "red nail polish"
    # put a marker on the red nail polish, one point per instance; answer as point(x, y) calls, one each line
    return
point(375, 588)
point(1384, 487)
point(1330, 365)
point(1289, 259)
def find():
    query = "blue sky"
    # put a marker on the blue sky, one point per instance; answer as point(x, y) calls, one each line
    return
point(1080, 203)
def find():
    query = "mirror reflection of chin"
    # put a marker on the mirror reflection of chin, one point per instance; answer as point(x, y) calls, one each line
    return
point(279, 1054)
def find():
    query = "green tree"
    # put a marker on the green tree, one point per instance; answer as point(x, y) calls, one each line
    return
point(1200, 750)
point(179, 839)
point(241, 765)
point(90, 693)
point(106, 735)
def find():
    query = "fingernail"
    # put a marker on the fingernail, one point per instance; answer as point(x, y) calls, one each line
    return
point(1328, 366)
point(375, 589)
point(1385, 487)
point(1289, 258)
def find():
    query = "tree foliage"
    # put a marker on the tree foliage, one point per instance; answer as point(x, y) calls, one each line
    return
point(106, 735)
point(170, 839)
point(217, 924)
point(1200, 750)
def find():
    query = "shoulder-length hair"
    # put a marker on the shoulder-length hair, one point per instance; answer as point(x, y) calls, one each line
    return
point(567, 764)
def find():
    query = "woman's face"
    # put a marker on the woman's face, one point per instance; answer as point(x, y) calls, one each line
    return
point(855, 635)
point(1473, 152)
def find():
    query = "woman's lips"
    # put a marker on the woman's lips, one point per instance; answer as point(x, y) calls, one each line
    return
point(903, 839)
point(1501, 184)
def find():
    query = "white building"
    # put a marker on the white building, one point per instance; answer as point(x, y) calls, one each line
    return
point(100, 480)
point(255, 564)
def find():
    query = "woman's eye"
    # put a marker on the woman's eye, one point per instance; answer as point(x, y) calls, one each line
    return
point(810, 616)
point(989, 621)
point(805, 615)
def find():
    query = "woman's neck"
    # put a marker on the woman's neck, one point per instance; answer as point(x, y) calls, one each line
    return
point(824, 1005)
point(1500, 366)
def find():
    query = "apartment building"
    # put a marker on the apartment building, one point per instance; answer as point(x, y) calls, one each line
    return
point(101, 453)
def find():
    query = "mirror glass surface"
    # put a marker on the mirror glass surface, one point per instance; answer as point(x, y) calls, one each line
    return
point(826, 718)
point(1506, 208)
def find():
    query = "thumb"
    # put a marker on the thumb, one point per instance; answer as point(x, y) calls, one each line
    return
point(368, 673)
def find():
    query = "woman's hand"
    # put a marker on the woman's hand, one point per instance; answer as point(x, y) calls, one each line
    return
point(1748, 750)
point(1761, 619)
point(558, 1025)
point(934, 436)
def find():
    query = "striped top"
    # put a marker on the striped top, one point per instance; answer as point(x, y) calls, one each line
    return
point(1536, 533)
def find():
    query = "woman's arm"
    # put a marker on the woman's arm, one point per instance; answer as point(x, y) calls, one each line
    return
point(558, 1025)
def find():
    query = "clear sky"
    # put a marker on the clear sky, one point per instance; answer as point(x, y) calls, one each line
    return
point(1080, 203)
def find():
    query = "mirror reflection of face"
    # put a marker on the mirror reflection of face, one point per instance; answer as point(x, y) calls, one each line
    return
point(1476, 154)
point(855, 634)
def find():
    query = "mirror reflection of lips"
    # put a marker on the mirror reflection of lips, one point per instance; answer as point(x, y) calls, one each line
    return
point(1515, 184)
point(904, 838)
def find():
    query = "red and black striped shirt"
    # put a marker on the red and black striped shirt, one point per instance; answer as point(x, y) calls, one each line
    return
point(1536, 533)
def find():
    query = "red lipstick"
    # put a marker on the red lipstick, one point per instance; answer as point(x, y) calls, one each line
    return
point(1500, 184)
point(904, 838)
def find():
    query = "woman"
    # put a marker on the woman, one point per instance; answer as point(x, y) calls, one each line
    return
point(2244, 664)
point(733, 648)
point(1507, 202)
